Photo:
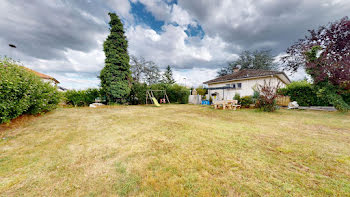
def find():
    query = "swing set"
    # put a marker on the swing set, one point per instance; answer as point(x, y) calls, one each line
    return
point(150, 96)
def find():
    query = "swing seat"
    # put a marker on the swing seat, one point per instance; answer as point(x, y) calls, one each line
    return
point(162, 100)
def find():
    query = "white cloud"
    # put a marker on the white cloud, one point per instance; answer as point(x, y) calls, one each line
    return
point(194, 77)
point(123, 8)
point(173, 46)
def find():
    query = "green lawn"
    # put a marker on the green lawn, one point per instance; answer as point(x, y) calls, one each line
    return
point(177, 150)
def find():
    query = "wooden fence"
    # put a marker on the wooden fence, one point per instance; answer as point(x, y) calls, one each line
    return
point(283, 100)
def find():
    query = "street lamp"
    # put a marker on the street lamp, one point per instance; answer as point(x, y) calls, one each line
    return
point(185, 81)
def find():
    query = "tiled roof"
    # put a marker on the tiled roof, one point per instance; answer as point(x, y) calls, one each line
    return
point(41, 75)
point(245, 73)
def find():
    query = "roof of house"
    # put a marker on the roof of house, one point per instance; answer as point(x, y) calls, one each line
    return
point(245, 74)
point(43, 76)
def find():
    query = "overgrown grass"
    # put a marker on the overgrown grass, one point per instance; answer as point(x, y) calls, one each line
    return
point(177, 150)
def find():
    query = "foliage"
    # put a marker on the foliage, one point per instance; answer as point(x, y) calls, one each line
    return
point(168, 76)
point(328, 91)
point(237, 97)
point(22, 92)
point(137, 67)
point(258, 59)
point(246, 101)
point(138, 93)
point(116, 75)
point(326, 57)
point(324, 53)
point(176, 93)
point(210, 99)
point(201, 91)
point(267, 96)
point(79, 98)
point(304, 93)
point(152, 73)
point(144, 71)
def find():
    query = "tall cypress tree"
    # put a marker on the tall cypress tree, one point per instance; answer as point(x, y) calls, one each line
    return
point(116, 75)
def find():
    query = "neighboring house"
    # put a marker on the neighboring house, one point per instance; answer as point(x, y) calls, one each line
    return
point(243, 82)
point(45, 78)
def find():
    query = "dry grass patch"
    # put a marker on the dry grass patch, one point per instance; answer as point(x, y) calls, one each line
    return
point(177, 150)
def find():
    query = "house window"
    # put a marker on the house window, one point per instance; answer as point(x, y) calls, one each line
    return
point(234, 86)
point(239, 85)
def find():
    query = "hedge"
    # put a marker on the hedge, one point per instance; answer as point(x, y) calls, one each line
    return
point(304, 93)
point(175, 92)
point(22, 92)
point(81, 97)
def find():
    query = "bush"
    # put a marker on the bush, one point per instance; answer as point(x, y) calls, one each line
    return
point(178, 94)
point(175, 92)
point(138, 93)
point(328, 91)
point(267, 97)
point(22, 92)
point(79, 98)
point(246, 101)
point(201, 91)
point(304, 93)
point(237, 97)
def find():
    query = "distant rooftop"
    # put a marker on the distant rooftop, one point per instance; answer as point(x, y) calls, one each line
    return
point(43, 76)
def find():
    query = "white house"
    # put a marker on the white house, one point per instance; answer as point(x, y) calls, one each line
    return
point(47, 78)
point(243, 82)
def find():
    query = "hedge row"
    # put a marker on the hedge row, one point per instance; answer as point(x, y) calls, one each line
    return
point(79, 98)
point(22, 92)
point(304, 93)
point(175, 92)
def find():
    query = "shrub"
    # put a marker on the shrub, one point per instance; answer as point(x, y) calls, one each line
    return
point(138, 93)
point(328, 91)
point(81, 97)
point(304, 93)
point(201, 91)
point(255, 96)
point(267, 98)
point(22, 92)
point(178, 93)
point(246, 101)
point(237, 97)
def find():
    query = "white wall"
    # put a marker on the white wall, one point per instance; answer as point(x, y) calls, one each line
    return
point(246, 90)
point(52, 82)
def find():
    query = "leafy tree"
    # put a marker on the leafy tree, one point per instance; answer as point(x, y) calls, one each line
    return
point(152, 73)
point(325, 54)
point(201, 91)
point(137, 68)
point(116, 75)
point(258, 59)
point(144, 71)
point(168, 76)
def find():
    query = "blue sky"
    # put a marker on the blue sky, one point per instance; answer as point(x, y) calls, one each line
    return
point(64, 38)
